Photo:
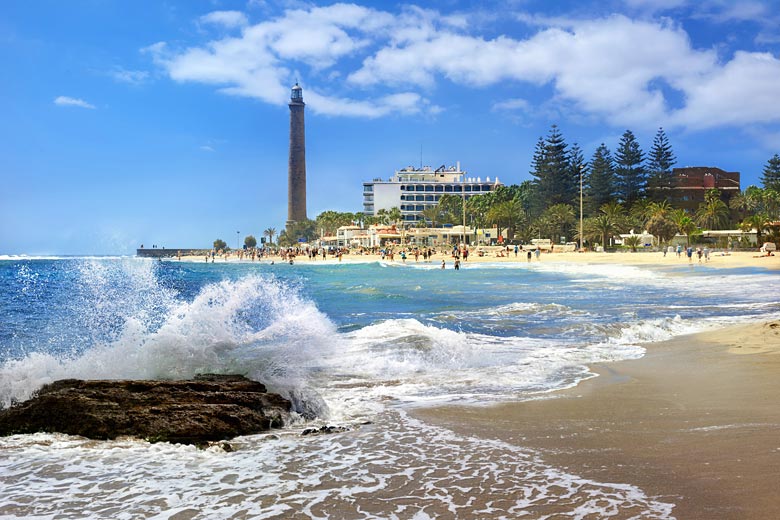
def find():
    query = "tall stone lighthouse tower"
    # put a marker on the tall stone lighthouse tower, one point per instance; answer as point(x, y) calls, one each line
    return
point(296, 167)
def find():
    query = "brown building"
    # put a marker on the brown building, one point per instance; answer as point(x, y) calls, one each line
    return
point(692, 182)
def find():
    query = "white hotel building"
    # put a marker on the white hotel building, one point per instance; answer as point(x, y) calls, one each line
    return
point(414, 189)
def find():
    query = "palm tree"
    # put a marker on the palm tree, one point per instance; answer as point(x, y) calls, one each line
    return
point(616, 212)
point(713, 212)
point(560, 217)
point(757, 221)
point(743, 203)
point(633, 241)
point(641, 211)
point(660, 209)
point(431, 214)
point(600, 227)
point(509, 212)
point(270, 232)
point(684, 223)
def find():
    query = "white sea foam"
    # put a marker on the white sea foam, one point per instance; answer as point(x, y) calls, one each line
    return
point(256, 326)
point(398, 467)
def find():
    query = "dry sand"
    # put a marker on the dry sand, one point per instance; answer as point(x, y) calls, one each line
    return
point(691, 423)
point(735, 259)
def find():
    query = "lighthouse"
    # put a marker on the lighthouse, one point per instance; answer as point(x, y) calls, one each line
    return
point(296, 166)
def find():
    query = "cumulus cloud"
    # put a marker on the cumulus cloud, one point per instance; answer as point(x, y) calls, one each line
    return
point(743, 91)
point(227, 19)
point(72, 102)
point(618, 69)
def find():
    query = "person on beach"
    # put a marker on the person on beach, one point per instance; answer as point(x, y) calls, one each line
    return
point(679, 250)
point(443, 264)
point(538, 253)
point(689, 253)
point(516, 249)
point(457, 265)
point(529, 255)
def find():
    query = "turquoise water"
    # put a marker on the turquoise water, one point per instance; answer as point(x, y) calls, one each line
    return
point(348, 343)
point(535, 323)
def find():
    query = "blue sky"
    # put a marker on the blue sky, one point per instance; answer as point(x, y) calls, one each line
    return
point(165, 122)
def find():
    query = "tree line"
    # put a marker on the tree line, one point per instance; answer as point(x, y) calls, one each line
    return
point(624, 190)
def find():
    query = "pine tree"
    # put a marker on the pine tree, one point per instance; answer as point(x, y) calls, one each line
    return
point(600, 182)
point(539, 183)
point(577, 166)
point(552, 170)
point(659, 168)
point(630, 172)
point(771, 174)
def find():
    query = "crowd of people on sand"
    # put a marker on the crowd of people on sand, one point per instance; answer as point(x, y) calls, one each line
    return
point(456, 254)
point(390, 252)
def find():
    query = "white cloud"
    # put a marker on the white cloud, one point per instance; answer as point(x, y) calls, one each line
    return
point(227, 19)
point(207, 148)
point(72, 102)
point(405, 103)
point(597, 65)
point(616, 69)
point(743, 91)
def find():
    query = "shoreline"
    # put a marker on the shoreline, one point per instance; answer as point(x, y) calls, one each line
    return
point(691, 422)
point(737, 259)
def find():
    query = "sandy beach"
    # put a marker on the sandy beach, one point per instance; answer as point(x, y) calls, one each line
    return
point(692, 422)
point(717, 259)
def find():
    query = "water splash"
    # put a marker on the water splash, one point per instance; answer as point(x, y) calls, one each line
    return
point(138, 328)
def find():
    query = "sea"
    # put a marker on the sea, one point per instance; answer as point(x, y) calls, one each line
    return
point(360, 346)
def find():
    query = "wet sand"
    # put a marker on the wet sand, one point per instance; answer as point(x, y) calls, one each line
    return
point(692, 423)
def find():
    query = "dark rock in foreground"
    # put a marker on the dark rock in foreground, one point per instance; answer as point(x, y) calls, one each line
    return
point(207, 408)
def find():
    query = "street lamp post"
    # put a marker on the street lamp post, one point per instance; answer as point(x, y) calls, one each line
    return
point(581, 168)
point(463, 210)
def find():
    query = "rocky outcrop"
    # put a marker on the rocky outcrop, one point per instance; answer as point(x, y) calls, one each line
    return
point(207, 408)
